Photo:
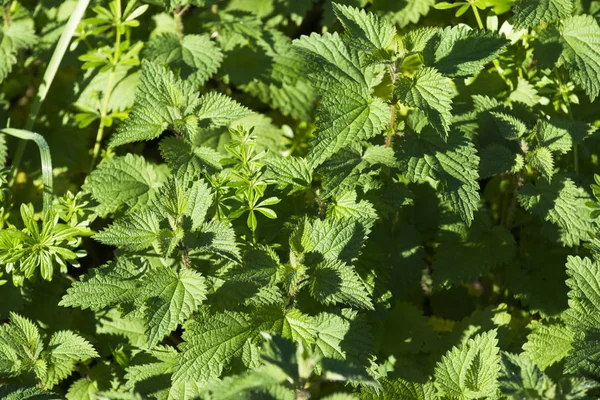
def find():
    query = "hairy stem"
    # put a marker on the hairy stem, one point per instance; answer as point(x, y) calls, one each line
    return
point(394, 77)
point(178, 23)
point(45, 158)
point(55, 60)
point(512, 208)
point(7, 21)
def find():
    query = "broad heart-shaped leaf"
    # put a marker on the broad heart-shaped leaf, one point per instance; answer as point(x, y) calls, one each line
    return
point(292, 174)
point(109, 285)
point(559, 135)
point(562, 204)
point(122, 181)
point(583, 315)
point(402, 389)
point(343, 336)
point(471, 370)
point(148, 372)
point(196, 55)
point(136, 231)
point(460, 52)
point(347, 112)
point(220, 110)
point(184, 158)
point(334, 282)
point(581, 52)
point(64, 350)
point(17, 35)
point(531, 13)
point(541, 160)
point(330, 239)
point(431, 93)
point(365, 31)
point(453, 163)
point(170, 298)
point(548, 344)
point(211, 341)
point(466, 253)
point(584, 296)
point(20, 346)
point(161, 98)
point(16, 392)
point(521, 378)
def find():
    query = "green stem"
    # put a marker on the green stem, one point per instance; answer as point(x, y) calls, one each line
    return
point(57, 56)
point(178, 23)
point(495, 62)
point(45, 158)
point(477, 16)
point(6, 17)
point(106, 103)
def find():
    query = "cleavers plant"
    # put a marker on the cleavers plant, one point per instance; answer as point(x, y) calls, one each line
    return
point(275, 199)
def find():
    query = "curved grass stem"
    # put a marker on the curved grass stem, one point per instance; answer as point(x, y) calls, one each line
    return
point(46, 161)
point(55, 60)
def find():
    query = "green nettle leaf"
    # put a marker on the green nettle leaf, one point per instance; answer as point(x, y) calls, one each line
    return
point(431, 93)
point(332, 199)
point(366, 31)
point(402, 389)
point(347, 112)
point(16, 37)
point(171, 299)
point(136, 231)
point(471, 370)
point(497, 159)
point(581, 52)
point(559, 135)
point(112, 284)
point(210, 342)
point(583, 315)
point(521, 378)
point(510, 127)
point(335, 282)
point(541, 160)
point(123, 181)
point(22, 352)
point(562, 204)
point(292, 174)
point(532, 13)
point(65, 349)
point(548, 344)
point(14, 392)
point(460, 52)
point(467, 256)
point(164, 101)
point(196, 55)
point(453, 164)
point(184, 158)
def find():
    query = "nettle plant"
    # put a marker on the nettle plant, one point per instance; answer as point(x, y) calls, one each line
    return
point(384, 207)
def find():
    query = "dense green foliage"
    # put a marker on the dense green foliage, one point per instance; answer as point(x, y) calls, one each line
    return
point(293, 199)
